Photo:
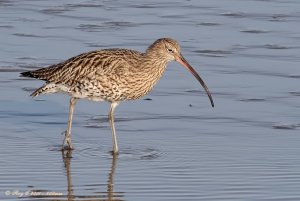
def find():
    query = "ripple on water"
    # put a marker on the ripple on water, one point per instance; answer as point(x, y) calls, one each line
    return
point(116, 25)
point(264, 16)
point(295, 93)
point(275, 47)
point(6, 3)
point(140, 153)
point(10, 69)
point(294, 76)
point(253, 99)
point(255, 31)
point(129, 153)
point(92, 152)
point(147, 5)
point(234, 14)
point(267, 46)
point(29, 35)
point(209, 24)
point(28, 89)
point(6, 26)
point(56, 10)
point(213, 53)
point(98, 121)
point(286, 126)
point(279, 18)
point(84, 5)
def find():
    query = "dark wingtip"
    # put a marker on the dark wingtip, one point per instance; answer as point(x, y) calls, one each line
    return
point(26, 74)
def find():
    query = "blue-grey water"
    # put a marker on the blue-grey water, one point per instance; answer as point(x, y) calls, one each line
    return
point(173, 144)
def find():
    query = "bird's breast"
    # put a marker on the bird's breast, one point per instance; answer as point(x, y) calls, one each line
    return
point(141, 83)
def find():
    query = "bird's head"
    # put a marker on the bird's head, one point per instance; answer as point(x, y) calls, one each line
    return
point(168, 49)
point(164, 49)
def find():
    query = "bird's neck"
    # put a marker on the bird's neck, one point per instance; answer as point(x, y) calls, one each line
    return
point(146, 74)
point(154, 66)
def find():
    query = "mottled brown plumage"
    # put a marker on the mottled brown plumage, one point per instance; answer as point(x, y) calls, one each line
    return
point(112, 75)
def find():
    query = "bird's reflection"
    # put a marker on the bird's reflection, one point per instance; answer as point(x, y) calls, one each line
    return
point(67, 157)
point(110, 182)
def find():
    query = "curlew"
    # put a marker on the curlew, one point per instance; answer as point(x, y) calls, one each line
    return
point(112, 75)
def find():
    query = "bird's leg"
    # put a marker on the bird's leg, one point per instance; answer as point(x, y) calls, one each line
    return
point(67, 138)
point(111, 121)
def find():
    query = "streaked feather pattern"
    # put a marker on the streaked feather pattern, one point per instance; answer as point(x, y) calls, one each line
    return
point(109, 74)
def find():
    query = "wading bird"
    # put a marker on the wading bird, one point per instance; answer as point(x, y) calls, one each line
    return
point(112, 75)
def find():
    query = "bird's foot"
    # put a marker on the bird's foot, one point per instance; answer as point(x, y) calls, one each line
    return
point(67, 147)
point(66, 153)
point(114, 153)
point(67, 143)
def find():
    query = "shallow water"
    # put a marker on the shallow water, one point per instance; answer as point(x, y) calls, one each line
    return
point(173, 145)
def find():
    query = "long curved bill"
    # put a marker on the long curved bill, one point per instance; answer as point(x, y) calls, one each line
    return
point(180, 59)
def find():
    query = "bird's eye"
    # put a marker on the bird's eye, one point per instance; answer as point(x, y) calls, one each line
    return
point(170, 50)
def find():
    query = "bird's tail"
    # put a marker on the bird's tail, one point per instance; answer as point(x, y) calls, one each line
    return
point(41, 74)
point(46, 89)
point(30, 74)
point(27, 74)
point(37, 92)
